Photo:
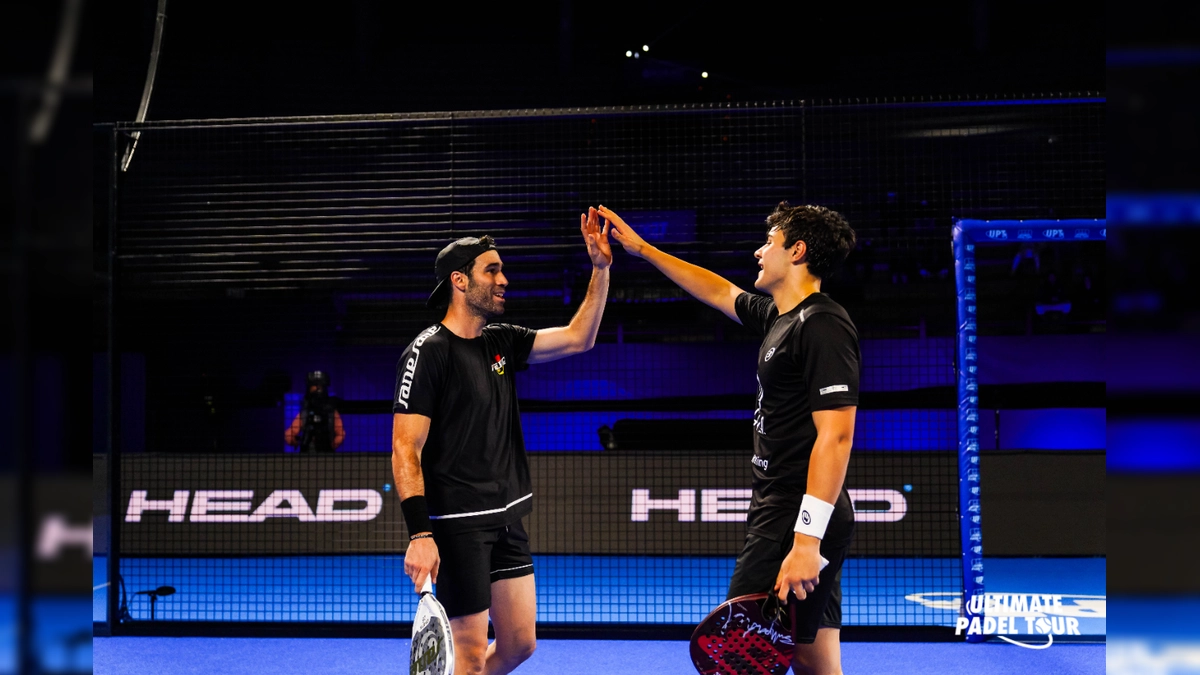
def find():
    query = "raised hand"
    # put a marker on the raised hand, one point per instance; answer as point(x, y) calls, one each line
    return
point(598, 248)
point(630, 240)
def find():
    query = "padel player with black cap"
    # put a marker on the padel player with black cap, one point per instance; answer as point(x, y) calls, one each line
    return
point(808, 367)
point(458, 453)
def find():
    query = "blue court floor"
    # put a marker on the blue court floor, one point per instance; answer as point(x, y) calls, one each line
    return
point(237, 656)
point(571, 589)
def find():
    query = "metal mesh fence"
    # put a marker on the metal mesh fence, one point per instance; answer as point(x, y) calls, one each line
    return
point(248, 253)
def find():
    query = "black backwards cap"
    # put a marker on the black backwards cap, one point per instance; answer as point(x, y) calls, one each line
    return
point(454, 257)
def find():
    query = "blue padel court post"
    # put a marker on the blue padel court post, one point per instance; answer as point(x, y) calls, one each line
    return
point(966, 235)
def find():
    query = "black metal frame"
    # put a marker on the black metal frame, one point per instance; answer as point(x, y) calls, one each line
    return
point(114, 392)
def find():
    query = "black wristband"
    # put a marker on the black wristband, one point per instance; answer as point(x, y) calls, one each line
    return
point(423, 535)
point(416, 514)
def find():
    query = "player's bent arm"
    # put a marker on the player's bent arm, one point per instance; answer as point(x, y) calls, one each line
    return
point(800, 571)
point(580, 335)
point(409, 433)
point(831, 452)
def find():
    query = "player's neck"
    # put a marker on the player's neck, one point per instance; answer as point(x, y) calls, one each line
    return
point(795, 290)
point(463, 323)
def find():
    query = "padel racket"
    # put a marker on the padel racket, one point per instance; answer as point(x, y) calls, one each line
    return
point(748, 635)
point(432, 649)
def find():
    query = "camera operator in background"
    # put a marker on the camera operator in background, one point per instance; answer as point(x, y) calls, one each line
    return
point(318, 426)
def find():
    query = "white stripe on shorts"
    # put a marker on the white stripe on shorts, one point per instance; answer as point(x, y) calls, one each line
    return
point(509, 569)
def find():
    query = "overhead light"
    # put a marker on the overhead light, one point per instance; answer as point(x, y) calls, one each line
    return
point(637, 55)
point(628, 54)
point(704, 74)
point(645, 48)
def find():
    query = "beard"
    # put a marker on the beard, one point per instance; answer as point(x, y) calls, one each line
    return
point(482, 301)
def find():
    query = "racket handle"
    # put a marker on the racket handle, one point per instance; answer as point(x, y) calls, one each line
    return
point(824, 562)
point(428, 586)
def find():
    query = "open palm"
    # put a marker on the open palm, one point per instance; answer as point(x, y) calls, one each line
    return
point(596, 238)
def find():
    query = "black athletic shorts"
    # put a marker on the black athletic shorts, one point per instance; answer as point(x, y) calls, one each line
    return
point(472, 561)
point(758, 567)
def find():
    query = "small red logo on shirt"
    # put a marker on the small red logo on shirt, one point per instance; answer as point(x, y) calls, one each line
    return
point(498, 366)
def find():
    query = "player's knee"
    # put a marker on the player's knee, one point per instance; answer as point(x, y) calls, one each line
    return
point(470, 661)
point(518, 650)
point(527, 648)
point(470, 657)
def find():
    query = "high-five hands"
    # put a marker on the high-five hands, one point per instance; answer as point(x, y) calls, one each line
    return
point(630, 240)
point(598, 248)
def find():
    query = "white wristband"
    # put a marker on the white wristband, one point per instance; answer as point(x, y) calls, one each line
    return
point(814, 517)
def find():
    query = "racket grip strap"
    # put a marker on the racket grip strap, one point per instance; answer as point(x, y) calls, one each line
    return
point(814, 517)
point(416, 515)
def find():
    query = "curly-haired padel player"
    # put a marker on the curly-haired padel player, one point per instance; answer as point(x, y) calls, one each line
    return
point(458, 453)
point(808, 367)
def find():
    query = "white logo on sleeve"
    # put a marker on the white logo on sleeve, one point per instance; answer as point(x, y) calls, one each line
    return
point(410, 367)
point(834, 389)
point(769, 354)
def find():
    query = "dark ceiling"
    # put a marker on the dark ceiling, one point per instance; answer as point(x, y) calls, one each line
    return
point(237, 59)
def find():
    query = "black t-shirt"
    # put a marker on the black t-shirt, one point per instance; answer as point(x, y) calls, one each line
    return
point(799, 371)
point(474, 465)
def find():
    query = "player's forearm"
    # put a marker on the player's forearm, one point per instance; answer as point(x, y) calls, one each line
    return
point(586, 323)
point(708, 287)
point(406, 466)
point(826, 473)
point(827, 465)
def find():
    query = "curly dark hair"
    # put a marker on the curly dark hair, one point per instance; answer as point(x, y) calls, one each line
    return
point(825, 233)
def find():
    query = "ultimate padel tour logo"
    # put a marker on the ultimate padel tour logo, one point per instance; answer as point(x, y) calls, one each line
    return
point(1035, 615)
